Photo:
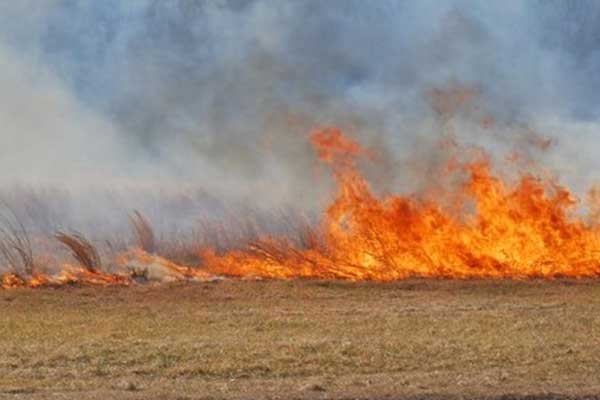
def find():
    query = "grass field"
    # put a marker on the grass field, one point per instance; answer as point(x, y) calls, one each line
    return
point(302, 340)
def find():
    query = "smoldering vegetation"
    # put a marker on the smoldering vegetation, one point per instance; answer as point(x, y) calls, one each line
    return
point(39, 230)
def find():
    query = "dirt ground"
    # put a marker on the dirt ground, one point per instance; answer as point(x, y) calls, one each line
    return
point(237, 339)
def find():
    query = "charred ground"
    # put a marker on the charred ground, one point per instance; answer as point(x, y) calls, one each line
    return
point(303, 339)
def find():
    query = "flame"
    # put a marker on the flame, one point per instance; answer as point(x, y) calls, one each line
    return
point(68, 275)
point(485, 226)
point(529, 228)
point(139, 262)
point(133, 263)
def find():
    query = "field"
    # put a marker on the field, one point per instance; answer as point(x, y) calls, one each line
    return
point(239, 339)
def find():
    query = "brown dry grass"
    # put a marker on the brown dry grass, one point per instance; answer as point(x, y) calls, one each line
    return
point(302, 339)
point(81, 249)
point(143, 231)
point(15, 244)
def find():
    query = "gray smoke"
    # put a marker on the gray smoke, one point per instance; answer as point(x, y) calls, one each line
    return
point(123, 104)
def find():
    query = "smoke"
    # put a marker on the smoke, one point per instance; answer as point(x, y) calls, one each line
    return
point(213, 99)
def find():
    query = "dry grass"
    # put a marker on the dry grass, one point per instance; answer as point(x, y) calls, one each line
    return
point(302, 339)
point(15, 244)
point(143, 232)
point(81, 249)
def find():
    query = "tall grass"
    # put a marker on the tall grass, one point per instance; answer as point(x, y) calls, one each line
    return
point(15, 244)
point(143, 232)
point(81, 249)
point(56, 225)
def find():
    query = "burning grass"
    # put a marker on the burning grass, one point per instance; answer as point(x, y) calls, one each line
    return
point(484, 227)
point(132, 266)
point(523, 229)
point(472, 221)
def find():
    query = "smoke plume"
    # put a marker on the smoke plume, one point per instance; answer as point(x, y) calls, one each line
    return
point(187, 108)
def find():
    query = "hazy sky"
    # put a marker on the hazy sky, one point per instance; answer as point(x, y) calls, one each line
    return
point(215, 93)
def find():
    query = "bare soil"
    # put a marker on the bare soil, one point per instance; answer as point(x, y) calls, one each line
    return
point(238, 339)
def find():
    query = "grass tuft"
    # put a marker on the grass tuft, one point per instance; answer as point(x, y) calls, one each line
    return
point(15, 244)
point(143, 231)
point(81, 249)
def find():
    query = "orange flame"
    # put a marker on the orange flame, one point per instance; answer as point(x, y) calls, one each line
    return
point(69, 275)
point(166, 268)
point(525, 229)
point(487, 227)
point(163, 270)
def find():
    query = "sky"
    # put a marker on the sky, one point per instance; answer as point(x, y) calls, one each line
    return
point(221, 94)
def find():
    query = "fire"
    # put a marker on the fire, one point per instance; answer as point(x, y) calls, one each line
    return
point(135, 264)
point(515, 230)
point(68, 275)
point(139, 263)
point(483, 226)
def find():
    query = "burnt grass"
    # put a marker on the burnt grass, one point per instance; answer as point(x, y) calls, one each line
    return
point(236, 339)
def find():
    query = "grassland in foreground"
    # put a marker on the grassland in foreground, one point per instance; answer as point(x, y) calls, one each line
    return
point(302, 339)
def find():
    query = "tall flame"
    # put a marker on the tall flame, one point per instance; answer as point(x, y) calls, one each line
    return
point(525, 229)
point(484, 227)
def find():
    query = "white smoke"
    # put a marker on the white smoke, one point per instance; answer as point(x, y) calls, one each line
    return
point(161, 97)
